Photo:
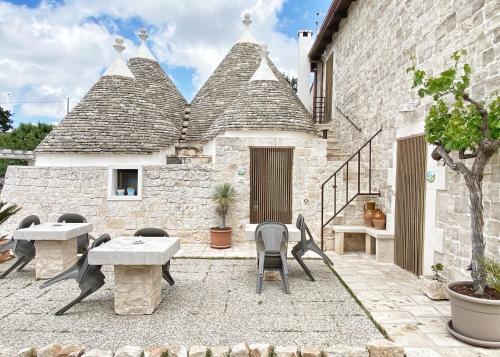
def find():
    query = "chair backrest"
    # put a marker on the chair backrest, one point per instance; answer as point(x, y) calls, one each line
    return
point(29, 221)
point(83, 263)
point(300, 224)
point(271, 234)
point(151, 232)
point(72, 218)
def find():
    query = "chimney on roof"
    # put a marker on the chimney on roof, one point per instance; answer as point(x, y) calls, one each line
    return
point(303, 70)
point(119, 67)
point(247, 36)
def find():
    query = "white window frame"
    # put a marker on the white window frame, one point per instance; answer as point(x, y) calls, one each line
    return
point(112, 171)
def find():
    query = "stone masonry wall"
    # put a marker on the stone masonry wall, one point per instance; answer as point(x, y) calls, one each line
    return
point(176, 197)
point(371, 53)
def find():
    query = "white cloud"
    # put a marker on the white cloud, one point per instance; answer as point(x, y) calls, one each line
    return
point(52, 52)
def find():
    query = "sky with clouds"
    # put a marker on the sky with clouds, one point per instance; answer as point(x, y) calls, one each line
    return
point(52, 49)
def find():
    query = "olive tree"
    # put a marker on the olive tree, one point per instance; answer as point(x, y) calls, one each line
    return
point(462, 128)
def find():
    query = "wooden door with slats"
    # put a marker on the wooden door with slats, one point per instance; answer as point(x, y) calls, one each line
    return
point(271, 184)
point(410, 203)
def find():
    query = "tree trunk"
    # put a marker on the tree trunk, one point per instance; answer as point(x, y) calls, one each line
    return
point(477, 224)
point(223, 221)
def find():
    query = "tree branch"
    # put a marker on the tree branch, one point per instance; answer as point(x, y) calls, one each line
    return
point(482, 111)
point(455, 166)
point(463, 156)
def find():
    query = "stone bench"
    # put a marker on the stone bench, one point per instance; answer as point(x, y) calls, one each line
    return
point(384, 241)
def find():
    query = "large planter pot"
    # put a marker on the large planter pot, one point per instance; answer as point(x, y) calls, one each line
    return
point(220, 238)
point(473, 320)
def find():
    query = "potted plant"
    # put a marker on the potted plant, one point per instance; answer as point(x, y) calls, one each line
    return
point(462, 128)
point(434, 286)
point(224, 196)
point(130, 191)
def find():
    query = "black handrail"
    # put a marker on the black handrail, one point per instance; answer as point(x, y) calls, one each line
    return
point(349, 120)
point(358, 193)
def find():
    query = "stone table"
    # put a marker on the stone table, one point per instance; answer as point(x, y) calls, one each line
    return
point(138, 265)
point(55, 244)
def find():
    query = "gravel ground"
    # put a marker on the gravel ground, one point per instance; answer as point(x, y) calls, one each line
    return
point(213, 302)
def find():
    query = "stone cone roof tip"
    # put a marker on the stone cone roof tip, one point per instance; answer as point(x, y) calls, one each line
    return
point(247, 35)
point(264, 72)
point(143, 51)
point(119, 67)
point(156, 84)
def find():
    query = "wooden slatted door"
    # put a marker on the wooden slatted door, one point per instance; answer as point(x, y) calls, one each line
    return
point(410, 203)
point(271, 184)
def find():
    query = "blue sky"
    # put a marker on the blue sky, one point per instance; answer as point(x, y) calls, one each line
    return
point(175, 43)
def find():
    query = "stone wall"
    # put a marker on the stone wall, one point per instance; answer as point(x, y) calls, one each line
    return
point(175, 197)
point(371, 53)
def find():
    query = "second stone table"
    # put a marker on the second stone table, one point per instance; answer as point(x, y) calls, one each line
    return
point(55, 244)
point(137, 265)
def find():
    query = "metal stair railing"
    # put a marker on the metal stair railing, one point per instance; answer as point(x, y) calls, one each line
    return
point(348, 199)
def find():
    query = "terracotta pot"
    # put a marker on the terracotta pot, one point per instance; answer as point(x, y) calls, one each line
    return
point(368, 213)
point(220, 238)
point(379, 219)
point(473, 320)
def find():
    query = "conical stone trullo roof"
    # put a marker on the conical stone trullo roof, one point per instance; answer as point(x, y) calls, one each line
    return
point(222, 87)
point(158, 87)
point(114, 116)
point(264, 102)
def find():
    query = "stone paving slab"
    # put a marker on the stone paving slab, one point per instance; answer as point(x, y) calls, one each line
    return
point(213, 302)
point(394, 298)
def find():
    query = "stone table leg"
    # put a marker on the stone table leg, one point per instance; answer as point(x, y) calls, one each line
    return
point(54, 256)
point(385, 250)
point(137, 289)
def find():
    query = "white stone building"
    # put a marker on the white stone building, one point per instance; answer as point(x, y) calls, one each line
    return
point(134, 153)
point(359, 60)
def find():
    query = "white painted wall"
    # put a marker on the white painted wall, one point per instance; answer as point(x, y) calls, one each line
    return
point(304, 68)
point(105, 159)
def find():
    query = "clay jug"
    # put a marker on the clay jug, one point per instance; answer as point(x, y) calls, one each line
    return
point(368, 213)
point(379, 219)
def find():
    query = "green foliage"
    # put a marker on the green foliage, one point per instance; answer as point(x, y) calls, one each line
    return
point(24, 137)
point(224, 196)
point(7, 212)
point(292, 81)
point(437, 268)
point(453, 120)
point(492, 269)
point(5, 120)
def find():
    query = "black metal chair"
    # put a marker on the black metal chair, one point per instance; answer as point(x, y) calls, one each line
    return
point(83, 240)
point(307, 244)
point(24, 250)
point(89, 277)
point(272, 241)
point(157, 232)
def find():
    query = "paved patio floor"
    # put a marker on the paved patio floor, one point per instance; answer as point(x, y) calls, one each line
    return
point(213, 303)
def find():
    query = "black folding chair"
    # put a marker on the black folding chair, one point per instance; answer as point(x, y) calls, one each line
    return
point(307, 244)
point(89, 277)
point(83, 240)
point(157, 232)
point(272, 240)
point(24, 250)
